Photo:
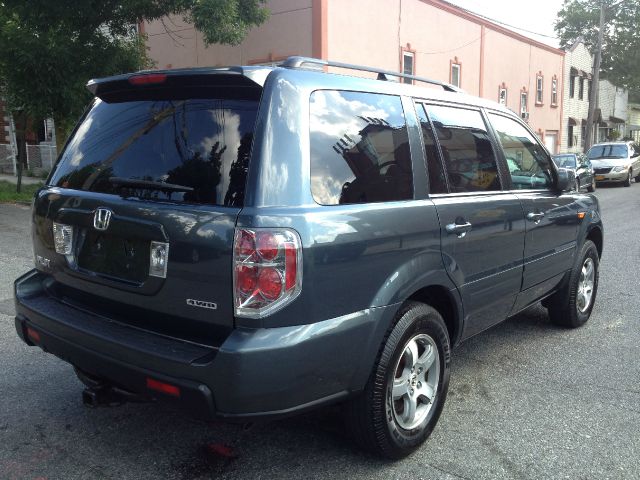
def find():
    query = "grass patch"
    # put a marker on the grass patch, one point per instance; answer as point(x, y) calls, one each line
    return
point(8, 192)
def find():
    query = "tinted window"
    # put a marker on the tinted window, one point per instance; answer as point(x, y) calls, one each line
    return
point(359, 148)
point(468, 155)
point(201, 144)
point(608, 151)
point(529, 165)
point(437, 182)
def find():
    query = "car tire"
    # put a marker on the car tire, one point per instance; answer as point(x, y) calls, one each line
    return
point(592, 188)
point(627, 182)
point(577, 185)
point(637, 178)
point(571, 306)
point(405, 394)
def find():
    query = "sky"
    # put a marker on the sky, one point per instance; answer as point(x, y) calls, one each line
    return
point(534, 15)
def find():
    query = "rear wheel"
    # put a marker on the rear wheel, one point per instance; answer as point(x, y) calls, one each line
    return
point(404, 396)
point(627, 182)
point(571, 306)
point(577, 185)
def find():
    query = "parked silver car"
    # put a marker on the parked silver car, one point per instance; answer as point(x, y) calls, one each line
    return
point(616, 162)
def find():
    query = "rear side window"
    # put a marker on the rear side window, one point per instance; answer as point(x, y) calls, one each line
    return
point(437, 181)
point(359, 148)
point(468, 155)
point(200, 144)
point(529, 165)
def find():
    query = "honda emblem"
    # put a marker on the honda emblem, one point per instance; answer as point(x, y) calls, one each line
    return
point(101, 218)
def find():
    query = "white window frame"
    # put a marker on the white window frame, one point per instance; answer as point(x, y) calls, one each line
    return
point(554, 91)
point(408, 54)
point(502, 96)
point(539, 89)
point(456, 66)
point(524, 100)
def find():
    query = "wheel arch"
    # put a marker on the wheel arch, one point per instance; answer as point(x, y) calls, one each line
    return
point(445, 302)
point(595, 235)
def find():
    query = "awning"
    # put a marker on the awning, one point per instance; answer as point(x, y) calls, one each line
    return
point(572, 122)
point(633, 128)
point(584, 122)
point(573, 72)
point(616, 119)
point(583, 74)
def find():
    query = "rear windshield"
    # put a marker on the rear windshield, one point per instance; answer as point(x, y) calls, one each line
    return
point(565, 161)
point(199, 146)
point(608, 151)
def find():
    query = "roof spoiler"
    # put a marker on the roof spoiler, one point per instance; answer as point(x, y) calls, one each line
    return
point(251, 77)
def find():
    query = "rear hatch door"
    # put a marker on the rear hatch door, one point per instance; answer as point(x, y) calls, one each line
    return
point(156, 166)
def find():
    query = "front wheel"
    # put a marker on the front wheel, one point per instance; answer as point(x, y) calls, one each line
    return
point(406, 391)
point(592, 188)
point(627, 182)
point(577, 185)
point(571, 306)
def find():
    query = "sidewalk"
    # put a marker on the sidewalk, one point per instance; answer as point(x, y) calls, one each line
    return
point(25, 180)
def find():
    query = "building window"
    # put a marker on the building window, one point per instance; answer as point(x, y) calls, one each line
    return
point(539, 89)
point(456, 71)
point(570, 137)
point(408, 65)
point(523, 105)
point(502, 96)
point(581, 88)
point(572, 86)
point(554, 92)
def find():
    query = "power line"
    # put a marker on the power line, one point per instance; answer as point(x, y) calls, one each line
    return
point(499, 22)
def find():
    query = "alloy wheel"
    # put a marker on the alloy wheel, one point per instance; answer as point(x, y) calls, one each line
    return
point(585, 285)
point(415, 381)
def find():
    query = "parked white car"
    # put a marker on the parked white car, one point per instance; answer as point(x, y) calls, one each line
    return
point(616, 162)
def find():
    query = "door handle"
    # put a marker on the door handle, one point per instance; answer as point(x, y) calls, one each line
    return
point(460, 229)
point(535, 217)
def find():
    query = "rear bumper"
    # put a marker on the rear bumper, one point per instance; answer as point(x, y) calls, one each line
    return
point(255, 373)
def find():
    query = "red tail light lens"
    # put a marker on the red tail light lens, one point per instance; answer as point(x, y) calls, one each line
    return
point(267, 270)
point(148, 79)
point(162, 387)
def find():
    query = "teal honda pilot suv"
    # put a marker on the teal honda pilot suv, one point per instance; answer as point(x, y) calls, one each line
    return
point(253, 242)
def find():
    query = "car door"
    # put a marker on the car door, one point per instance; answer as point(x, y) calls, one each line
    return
point(482, 226)
point(551, 216)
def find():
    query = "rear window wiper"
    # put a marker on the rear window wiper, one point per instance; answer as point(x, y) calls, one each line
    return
point(149, 184)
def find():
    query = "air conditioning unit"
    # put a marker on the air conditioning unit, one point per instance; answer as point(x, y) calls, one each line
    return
point(525, 116)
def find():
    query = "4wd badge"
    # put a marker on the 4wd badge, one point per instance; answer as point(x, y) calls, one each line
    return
point(201, 304)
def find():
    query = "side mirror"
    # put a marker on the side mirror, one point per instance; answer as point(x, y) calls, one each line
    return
point(566, 180)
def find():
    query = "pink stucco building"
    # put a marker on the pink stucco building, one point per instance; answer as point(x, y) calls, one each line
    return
point(430, 38)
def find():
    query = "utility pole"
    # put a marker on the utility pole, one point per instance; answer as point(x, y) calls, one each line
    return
point(593, 94)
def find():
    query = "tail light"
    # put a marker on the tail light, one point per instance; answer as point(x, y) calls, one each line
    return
point(267, 270)
point(63, 238)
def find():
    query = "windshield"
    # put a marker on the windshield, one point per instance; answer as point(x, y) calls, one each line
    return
point(200, 146)
point(565, 161)
point(608, 151)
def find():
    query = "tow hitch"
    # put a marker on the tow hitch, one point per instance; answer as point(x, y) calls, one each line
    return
point(99, 393)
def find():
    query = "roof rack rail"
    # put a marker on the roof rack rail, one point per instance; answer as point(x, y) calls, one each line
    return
point(300, 62)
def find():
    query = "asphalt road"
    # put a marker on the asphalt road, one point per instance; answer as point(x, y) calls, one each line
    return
point(526, 400)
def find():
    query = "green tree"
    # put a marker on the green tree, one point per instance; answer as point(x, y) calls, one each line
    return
point(50, 49)
point(621, 41)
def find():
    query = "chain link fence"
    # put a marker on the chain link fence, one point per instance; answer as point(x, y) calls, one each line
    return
point(40, 158)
